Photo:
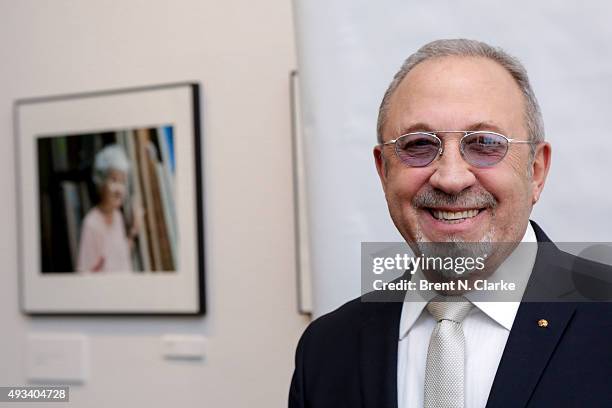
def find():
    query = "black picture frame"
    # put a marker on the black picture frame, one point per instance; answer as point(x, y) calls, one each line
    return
point(57, 141)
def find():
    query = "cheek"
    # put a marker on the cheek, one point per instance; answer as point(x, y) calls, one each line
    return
point(403, 183)
point(114, 190)
point(510, 189)
point(517, 163)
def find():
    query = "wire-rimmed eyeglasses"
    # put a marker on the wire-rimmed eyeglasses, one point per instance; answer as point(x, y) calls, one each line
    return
point(481, 148)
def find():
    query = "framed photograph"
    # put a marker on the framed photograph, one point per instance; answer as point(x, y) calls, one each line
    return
point(302, 233)
point(109, 189)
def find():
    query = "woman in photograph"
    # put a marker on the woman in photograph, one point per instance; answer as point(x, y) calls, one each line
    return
point(105, 245)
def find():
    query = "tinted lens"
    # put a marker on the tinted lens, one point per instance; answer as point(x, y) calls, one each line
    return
point(417, 149)
point(484, 149)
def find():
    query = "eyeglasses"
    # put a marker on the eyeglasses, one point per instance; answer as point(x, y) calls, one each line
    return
point(478, 148)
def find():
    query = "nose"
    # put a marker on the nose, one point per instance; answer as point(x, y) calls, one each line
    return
point(452, 173)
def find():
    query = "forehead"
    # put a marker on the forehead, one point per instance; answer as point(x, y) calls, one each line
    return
point(116, 173)
point(454, 93)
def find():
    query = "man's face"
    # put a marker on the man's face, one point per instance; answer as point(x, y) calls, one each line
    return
point(494, 203)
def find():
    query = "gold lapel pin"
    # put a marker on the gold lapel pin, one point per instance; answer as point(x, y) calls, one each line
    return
point(543, 323)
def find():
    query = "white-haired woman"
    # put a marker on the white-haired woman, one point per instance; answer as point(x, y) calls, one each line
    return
point(105, 245)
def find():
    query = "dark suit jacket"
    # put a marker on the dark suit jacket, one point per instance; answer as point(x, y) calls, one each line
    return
point(348, 358)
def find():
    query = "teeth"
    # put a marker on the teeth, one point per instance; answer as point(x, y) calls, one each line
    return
point(447, 215)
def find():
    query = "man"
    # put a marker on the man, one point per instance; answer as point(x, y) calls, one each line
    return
point(462, 158)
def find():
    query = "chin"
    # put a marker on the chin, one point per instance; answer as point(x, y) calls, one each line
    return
point(479, 235)
point(459, 237)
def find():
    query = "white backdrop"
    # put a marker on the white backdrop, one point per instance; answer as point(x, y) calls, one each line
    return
point(348, 51)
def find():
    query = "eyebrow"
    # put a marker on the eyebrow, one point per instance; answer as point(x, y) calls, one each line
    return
point(424, 127)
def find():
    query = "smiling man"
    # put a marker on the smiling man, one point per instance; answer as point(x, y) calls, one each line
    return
point(472, 94)
point(462, 159)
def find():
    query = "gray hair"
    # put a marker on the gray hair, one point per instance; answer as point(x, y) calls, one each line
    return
point(471, 48)
point(111, 157)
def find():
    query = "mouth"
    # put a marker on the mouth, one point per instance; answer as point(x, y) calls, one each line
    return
point(454, 216)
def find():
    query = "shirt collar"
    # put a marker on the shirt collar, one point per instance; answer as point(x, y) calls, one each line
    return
point(414, 303)
point(501, 312)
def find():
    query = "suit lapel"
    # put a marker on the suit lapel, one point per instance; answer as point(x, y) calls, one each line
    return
point(378, 355)
point(529, 346)
point(527, 352)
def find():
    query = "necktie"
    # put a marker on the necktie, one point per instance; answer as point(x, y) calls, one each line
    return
point(444, 372)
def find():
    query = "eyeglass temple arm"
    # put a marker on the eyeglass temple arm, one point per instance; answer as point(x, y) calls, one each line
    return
point(522, 141)
point(389, 142)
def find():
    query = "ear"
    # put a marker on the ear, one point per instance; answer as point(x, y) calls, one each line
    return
point(540, 167)
point(381, 166)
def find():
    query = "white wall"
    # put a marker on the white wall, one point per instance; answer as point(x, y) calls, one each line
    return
point(348, 51)
point(241, 52)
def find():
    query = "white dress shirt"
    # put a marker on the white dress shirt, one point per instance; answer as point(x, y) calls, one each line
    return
point(486, 330)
